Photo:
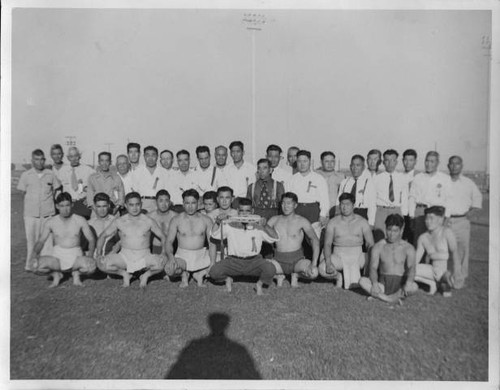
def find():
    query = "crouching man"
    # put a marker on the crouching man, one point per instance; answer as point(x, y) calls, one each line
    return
point(289, 256)
point(67, 255)
point(244, 244)
point(390, 258)
point(134, 229)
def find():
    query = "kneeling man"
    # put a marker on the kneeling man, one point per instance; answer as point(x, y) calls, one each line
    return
point(390, 257)
point(346, 232)
point(191, 228)
point(437, 243)
point(134, 229)
point(67, 255)
point(289, 255)
point(244, 239)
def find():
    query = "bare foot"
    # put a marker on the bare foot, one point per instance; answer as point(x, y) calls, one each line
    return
point(56, 278)
point(339, 280)
point(144, 279)
point(258, 288)
point(185, 280)
point(76, 279)
point(279, 280)
point(126, 278)
point(294, 281)
point(31, 266)
point(229, 284)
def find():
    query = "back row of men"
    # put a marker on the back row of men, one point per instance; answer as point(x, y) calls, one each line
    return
point(376, 194)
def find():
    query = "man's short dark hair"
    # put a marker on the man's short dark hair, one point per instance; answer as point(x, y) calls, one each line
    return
point(274, 148)
point(162, 193)
point(191, 192)
point(306, 153)
point(294, 148)
point(210, 195)
point(133, 145)
point(225, 189)
point(358, 157)
point(327, 153)
point(132, 195)
point(432, 153)
point(63, 196)
point(375, 151)
point(347, 196)
point(436, 210)
point(56, 147)
point(394, 220)
point(167, 151)
point(244, 202)
point(391, 152)
point(455, 156)
point(264, 161)
point(410, 152)
point(150, 147)
point(181, 152)
point(239, 144)
point(290, 195)
point(202, 149)
point(101, 197)
point(37, 152)
point(104, 154)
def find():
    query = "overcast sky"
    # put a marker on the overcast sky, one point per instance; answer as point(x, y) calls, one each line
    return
point(345, 81)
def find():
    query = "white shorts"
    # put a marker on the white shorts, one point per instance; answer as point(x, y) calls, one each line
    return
point(350, 259)
point(66, 256)
point(134, 258)
point(196, 259)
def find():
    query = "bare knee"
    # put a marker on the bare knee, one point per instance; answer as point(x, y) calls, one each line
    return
point(322, 271)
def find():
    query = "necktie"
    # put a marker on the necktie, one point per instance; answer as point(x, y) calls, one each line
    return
point(354, 189)
point(264, 196)
point(74, 180)
point(391, 190)
point(254, 245)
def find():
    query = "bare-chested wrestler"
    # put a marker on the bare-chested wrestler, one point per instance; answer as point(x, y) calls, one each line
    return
point(438, 243)
point(163, 216)
point(101, 219)
point(346, 232)
point(191, 228)
point(67, 255)
point(392, 265)
point(289, 255)
point(134, 229)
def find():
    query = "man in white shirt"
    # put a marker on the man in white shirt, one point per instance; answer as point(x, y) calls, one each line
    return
point(291, 157)
point(409, 162)
point(134, 155)
point(429, 188)
point(244, 245)
point(465, 198)
point(74, 178)
point(57, 155)
point(373, 161)
point(360, 185)
point(204, 173)
point(240, 174)
point(181, 180)
point(167, 160)
point(311, 190)
point(123, 171)
point(148, 179)
point(391, 191)
point(220, 163)
point(333, 178)
point(274, 156)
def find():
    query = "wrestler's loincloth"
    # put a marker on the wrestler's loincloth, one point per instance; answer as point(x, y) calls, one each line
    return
point(196, 259)
point(287, 260)
point(135, 258)
point(66, 256)
point(391, 283)
point(350, 259)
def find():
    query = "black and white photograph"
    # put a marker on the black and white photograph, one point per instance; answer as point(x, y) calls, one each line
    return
point(250, 194)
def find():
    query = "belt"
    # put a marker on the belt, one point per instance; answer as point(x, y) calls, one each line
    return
point(148, 197)
point(422, 205)
point(244, 257)
point(308, 204)
point(389, 207)
point(360, 208)
point(457, 216)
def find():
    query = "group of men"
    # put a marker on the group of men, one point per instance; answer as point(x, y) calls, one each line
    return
point(379, 229)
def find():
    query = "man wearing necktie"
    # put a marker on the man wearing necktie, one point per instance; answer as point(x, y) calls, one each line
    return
point(391, 192)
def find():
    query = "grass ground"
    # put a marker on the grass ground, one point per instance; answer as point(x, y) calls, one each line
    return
point(103, 331)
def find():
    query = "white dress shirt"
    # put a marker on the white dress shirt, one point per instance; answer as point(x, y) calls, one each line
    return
point(400, 190)
point(431, 190)
point(463, 196)
point(204, 179)
point(280, 174)
point(127, 182)
point(310, 188)
point(240, 178)
point(83, 173)
point(146, 183)
point(180, 182)
point(366, 196)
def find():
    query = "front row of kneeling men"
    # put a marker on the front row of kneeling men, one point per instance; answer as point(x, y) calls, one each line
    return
point(144, 244)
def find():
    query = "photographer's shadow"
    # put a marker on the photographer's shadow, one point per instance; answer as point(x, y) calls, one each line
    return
point(214, 356)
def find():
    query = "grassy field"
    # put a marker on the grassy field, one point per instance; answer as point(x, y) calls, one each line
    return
point(103, 331)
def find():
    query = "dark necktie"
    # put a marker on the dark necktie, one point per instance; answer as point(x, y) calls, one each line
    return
point(353, 189)
point(264, 196)
point(391, 190)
